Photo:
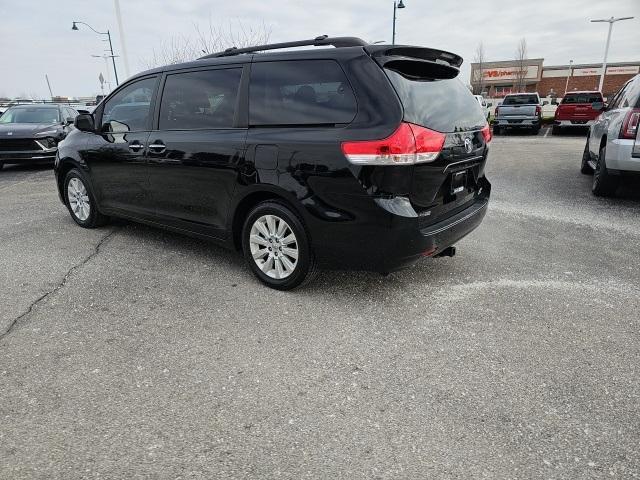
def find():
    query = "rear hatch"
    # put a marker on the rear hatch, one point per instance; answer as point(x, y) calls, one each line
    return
point(433, 98)
point(577, 107)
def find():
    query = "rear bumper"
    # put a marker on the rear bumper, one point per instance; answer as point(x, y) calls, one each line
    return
point(391, 242)
point(619, 156)
point(573, 123)
point(517, 122)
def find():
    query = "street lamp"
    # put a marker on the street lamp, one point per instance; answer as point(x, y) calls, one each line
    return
point(566, 85)
point(395, 6)
point(108, 34)
point(610, 21)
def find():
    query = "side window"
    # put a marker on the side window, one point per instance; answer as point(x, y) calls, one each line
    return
point(308, 92)
point(129, 109)
point(68, 112)
point(631, 94)
point(615, 103)
point(202, 99)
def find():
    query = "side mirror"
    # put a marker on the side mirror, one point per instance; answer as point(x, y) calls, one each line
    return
point(68, 120)
point(545, 103)
point(598, 106)
point(85, 123)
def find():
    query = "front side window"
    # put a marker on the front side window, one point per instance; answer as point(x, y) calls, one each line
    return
point(202, 99)
point(303, 92)
point(129, 109)
point(31, 115)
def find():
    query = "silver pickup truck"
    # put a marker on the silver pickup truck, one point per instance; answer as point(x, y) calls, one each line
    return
point(518, 110)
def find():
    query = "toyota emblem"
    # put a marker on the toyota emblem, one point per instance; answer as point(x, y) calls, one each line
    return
point(468, 146)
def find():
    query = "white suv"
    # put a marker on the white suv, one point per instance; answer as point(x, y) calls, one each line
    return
point(613, 148)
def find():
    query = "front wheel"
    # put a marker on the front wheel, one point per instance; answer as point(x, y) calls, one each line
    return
point(604, 184)
point(276, 246)
point(81, 201)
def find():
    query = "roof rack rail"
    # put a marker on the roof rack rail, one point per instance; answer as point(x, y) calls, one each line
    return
point(321, 41)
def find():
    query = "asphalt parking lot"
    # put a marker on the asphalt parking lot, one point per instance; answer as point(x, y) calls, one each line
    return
point(131, 352)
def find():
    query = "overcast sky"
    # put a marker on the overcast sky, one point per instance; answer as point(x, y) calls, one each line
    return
point(36, 36)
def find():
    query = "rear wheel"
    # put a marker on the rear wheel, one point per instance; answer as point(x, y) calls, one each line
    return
point(81, 201)
point(276, 246)
point(585, 168)
point(1, 165)
point(536, 130)
point(604, 184)
point(555, 130)
point(496, 130)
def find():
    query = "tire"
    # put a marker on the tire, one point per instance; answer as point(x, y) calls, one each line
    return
point(81, 201)
point(555, 130)
point(584, 166)
point(273, 261)
point(496, 130)
point(1, 165)
point(604, 184)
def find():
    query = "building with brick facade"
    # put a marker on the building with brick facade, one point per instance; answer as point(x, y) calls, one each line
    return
point(496, 79)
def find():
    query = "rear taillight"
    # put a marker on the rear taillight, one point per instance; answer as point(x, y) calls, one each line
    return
point(408, 145)
point(538, 110)
point(486, 133)
point(495, 113)
point(630, 124)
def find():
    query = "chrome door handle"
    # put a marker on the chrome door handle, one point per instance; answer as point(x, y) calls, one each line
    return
point(135, 147)
point(157, 147)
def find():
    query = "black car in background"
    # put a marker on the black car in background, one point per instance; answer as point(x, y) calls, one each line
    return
point(360, 157)
point(31, 133)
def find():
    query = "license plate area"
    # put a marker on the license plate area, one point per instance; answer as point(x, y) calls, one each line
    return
point(458, 182)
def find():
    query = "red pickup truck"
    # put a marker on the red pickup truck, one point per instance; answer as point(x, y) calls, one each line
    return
point(576, 110)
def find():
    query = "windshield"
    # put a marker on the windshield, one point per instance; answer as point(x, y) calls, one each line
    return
point(582, 98)
point(443, 105)
point(30, 115)
point(520, 100)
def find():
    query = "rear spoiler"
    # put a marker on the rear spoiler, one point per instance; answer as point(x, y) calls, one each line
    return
point(416, 62)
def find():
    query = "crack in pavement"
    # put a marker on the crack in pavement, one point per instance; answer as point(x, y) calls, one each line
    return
point(58, 286)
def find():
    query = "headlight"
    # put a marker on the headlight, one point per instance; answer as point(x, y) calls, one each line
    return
point(47, 142)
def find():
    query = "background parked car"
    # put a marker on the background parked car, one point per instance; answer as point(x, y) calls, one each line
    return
point(612, 149)
point(576, 110)
point(519, 110)
point(31, 133)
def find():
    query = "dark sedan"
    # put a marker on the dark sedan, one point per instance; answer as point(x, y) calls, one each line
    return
point(31, 133)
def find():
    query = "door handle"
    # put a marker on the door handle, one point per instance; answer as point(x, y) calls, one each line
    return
point(136, 147)
point(157, 147)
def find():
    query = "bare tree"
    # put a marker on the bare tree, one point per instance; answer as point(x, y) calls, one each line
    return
point(213, 38)
point(521, 65)
point(478, 80)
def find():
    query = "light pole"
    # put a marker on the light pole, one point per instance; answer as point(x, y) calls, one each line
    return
point(108, 34)
point(395, 6)
point(566, 85)
point(610, 21)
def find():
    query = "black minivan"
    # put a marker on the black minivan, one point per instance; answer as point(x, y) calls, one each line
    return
point(360, 156)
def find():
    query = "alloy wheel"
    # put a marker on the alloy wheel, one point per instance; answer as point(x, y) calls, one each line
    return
point(274, 246)
point(79, 199)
